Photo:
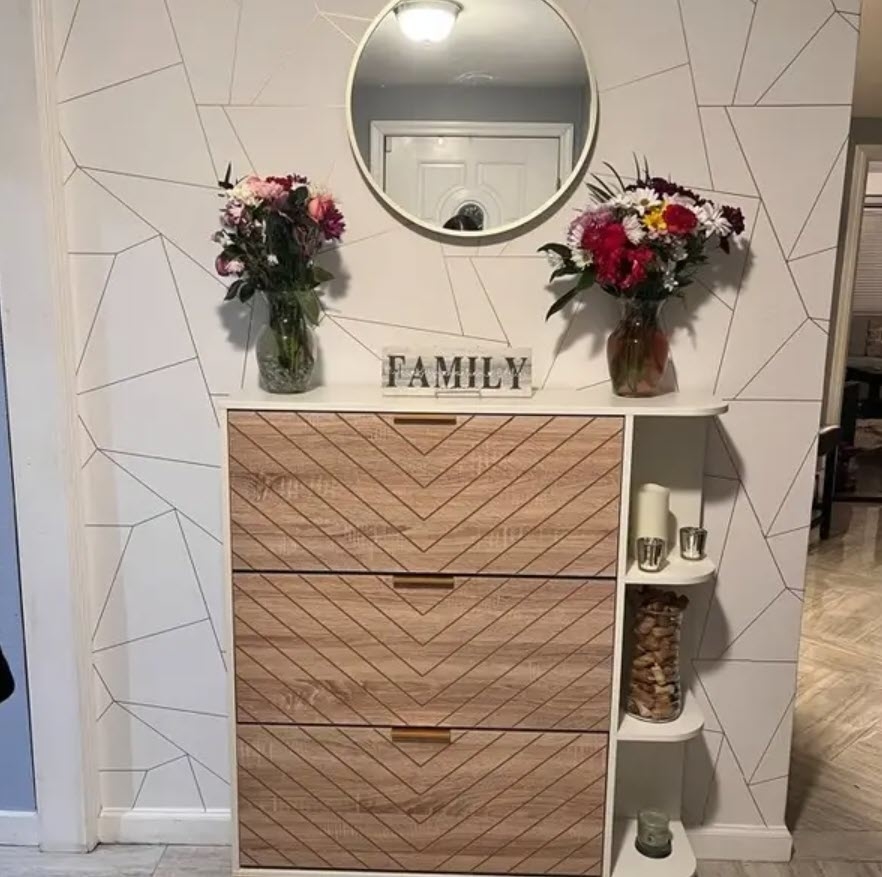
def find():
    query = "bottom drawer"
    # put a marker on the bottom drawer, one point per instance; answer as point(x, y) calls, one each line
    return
point(380, 799)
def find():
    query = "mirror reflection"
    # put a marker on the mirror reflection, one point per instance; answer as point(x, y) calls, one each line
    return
point(471, 116)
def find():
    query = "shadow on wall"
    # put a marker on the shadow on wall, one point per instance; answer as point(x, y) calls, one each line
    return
point(595, 314)
point(242, 322)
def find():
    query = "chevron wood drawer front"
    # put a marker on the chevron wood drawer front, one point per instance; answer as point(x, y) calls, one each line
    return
point(463, 652)
point(488, 802)
point(496, 495)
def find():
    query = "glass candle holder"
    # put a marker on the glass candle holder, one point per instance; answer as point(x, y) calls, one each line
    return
point(654, 685)
point(654, 837)
point(693, 543)
point(651, 554)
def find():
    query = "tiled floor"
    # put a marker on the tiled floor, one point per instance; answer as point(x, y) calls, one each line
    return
point(836, 786)
point(129, 861)
point(118, 861)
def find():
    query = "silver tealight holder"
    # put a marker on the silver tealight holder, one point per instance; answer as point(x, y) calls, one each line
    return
point(651, 554)
point(693, 543)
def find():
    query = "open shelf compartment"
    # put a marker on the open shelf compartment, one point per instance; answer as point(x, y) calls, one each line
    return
point(685, 727)
point(676, 573)
point(627, 862)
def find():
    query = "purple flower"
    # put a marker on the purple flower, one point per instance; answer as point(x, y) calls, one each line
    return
point(333, 224)
point(735, 218)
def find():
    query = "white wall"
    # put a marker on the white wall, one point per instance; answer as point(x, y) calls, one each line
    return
point(751, 101)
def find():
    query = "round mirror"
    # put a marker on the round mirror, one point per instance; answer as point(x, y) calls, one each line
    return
point(470, 117)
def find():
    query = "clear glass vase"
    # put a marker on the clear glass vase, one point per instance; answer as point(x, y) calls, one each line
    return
point(638, 349)
point(655, 692)
point(286, 347)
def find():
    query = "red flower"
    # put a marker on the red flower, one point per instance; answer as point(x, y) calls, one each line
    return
point(679, 219)
point(604, 239)
point(624, 268)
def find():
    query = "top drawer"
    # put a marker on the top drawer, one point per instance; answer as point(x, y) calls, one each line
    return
point(486, 494)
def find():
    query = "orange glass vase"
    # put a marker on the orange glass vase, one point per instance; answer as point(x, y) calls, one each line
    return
point(638, 349)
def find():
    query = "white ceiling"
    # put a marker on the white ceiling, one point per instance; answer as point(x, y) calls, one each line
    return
point(516, 42)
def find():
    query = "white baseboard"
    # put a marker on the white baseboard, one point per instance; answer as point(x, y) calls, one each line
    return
point(746, 843)
point(19, 828)
point(193, 827)
point(742, 843)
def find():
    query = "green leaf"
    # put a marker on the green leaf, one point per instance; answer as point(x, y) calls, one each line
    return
point(567, 270)
point(225, 182)
point(246, 293)
point(598, 193)
point(616, 174)
point(562, 302)
point(321, 275)
point(603, 186)
point(588, 278)
point(564, 252)
point(309, 301)
point(233, 291)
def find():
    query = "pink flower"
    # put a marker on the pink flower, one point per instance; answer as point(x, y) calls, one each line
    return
point(228, 267)
point(267, 190)
point(233, 214)
point(319, 205)
point(324, 212)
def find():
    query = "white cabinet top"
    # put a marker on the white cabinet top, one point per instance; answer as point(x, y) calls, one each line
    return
point(595, 401)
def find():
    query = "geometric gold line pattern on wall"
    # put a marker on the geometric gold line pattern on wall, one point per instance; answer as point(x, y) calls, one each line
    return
point(396, 287)
point(355, 650)
point(487, 494)
point(485, 802)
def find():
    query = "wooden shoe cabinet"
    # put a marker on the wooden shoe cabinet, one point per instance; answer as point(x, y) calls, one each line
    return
point(427, 609)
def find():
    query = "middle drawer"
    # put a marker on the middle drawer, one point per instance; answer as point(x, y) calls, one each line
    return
point(425, 651)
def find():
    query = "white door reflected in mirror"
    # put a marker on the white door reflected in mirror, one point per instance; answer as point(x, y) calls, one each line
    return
point(473, 131)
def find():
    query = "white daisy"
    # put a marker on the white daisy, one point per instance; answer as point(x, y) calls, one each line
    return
point(624, 200)
point(645, 200)
point(634, 229)
point(712, 220)
point(682, 200)
point(582, 258)
point(242, 192)
point(669, 278)
point(554, 260)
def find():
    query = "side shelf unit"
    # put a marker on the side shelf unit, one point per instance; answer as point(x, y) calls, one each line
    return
point(649, 758)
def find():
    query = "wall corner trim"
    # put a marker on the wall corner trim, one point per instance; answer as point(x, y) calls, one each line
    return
point(744, 843)
point(38, 345)
point(164, 826)
point(19, 828)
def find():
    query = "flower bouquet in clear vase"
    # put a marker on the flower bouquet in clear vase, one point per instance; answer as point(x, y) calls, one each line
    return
point(641, 242)
point(272, 230)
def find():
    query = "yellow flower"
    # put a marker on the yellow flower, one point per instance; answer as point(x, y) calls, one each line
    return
point(655, 220)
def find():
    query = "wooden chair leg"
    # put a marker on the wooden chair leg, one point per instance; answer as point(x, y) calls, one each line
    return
point(830, 465)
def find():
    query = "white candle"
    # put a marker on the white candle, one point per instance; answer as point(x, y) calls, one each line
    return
point(652, 506)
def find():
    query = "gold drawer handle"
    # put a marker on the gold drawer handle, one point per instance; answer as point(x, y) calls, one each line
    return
point(424, 420)
point(420, 735)
point(441, 583)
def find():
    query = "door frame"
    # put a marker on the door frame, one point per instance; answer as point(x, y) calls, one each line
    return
point(563, 132)
point(857, 170)
point(39, 349)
